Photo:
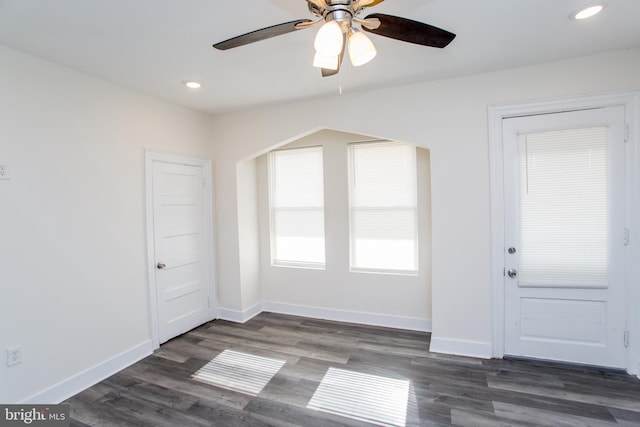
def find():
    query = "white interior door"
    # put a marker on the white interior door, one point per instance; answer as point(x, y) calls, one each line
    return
point(180, 248)
point(564, 246)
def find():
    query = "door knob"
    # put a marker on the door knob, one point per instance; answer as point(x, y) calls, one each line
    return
point(161, 266)
point(512, 273)
point(511, 250)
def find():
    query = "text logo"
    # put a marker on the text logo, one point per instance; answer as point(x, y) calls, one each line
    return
point(34, 415)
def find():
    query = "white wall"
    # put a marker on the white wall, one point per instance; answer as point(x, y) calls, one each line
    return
point(72, 242)
point(250, 292)
point(450, 118)
point(335, 292)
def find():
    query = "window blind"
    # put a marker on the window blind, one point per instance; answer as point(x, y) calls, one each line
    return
point(296, 200)
point(383, 207)
point(564, 207)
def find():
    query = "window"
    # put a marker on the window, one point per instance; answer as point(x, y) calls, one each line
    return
point(383, 207)
point(564, 204)
point(296, 201)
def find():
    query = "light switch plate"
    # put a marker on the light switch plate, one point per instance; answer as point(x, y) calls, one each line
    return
point(4, 172)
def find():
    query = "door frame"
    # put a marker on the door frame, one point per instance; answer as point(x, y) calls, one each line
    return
point(152, 156)
point(630, 100)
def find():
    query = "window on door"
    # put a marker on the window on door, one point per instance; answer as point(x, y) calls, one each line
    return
point(383, 207)
point(296, 201)
point(564, 206)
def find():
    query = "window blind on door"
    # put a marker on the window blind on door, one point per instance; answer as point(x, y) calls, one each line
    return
point(564, 207)
point(296, 199)
point(383, 207)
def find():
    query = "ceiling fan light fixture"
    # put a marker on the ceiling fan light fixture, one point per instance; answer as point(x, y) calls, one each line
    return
point(361, 49)
point(326, 62)
point(588, 12)
point(329, 39)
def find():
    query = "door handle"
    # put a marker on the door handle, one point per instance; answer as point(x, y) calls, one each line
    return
point(512, 273)
point(161, 266)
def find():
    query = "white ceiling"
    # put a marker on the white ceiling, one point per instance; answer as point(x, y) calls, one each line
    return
point(154, 45)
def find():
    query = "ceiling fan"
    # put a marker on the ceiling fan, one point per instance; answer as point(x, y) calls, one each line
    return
point(339, 31)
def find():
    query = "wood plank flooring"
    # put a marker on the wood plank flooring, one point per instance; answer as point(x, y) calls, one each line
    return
point(440, 390)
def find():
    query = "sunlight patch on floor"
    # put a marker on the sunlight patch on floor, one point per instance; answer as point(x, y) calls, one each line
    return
point(238, 371)
point(364, 397)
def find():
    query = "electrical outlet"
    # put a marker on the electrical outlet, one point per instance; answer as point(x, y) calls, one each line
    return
point(14, 355)
point(4, 172)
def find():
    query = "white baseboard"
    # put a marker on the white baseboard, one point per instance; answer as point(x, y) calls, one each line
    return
point(457, 347)
point(85, 379)
point(389, 321)
point(240, 316)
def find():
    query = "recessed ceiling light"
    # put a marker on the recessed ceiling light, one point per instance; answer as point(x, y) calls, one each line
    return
point(588, 12)
point(192, 85)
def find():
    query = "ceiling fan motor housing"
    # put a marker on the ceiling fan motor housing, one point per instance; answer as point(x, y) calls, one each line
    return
point(341, 16)
point(333, 10)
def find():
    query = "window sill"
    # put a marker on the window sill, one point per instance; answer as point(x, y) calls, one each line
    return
point(304, 266)
point(387, 272)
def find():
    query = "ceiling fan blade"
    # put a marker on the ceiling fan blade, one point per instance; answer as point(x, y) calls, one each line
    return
point(307, 24)
point(410, 31)
point(261, 34)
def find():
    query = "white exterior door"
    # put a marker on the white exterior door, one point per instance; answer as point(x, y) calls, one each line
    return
point(564, 237)
point(182, 264)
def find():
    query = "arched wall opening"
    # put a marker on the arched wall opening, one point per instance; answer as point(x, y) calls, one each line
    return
point(335, 292)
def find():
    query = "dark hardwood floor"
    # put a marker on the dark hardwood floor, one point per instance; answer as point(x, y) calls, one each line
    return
point(371, 376)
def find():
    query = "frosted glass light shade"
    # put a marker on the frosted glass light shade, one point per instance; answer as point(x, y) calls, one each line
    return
point(361, 49)
point(326, 62)
point(329, 39)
